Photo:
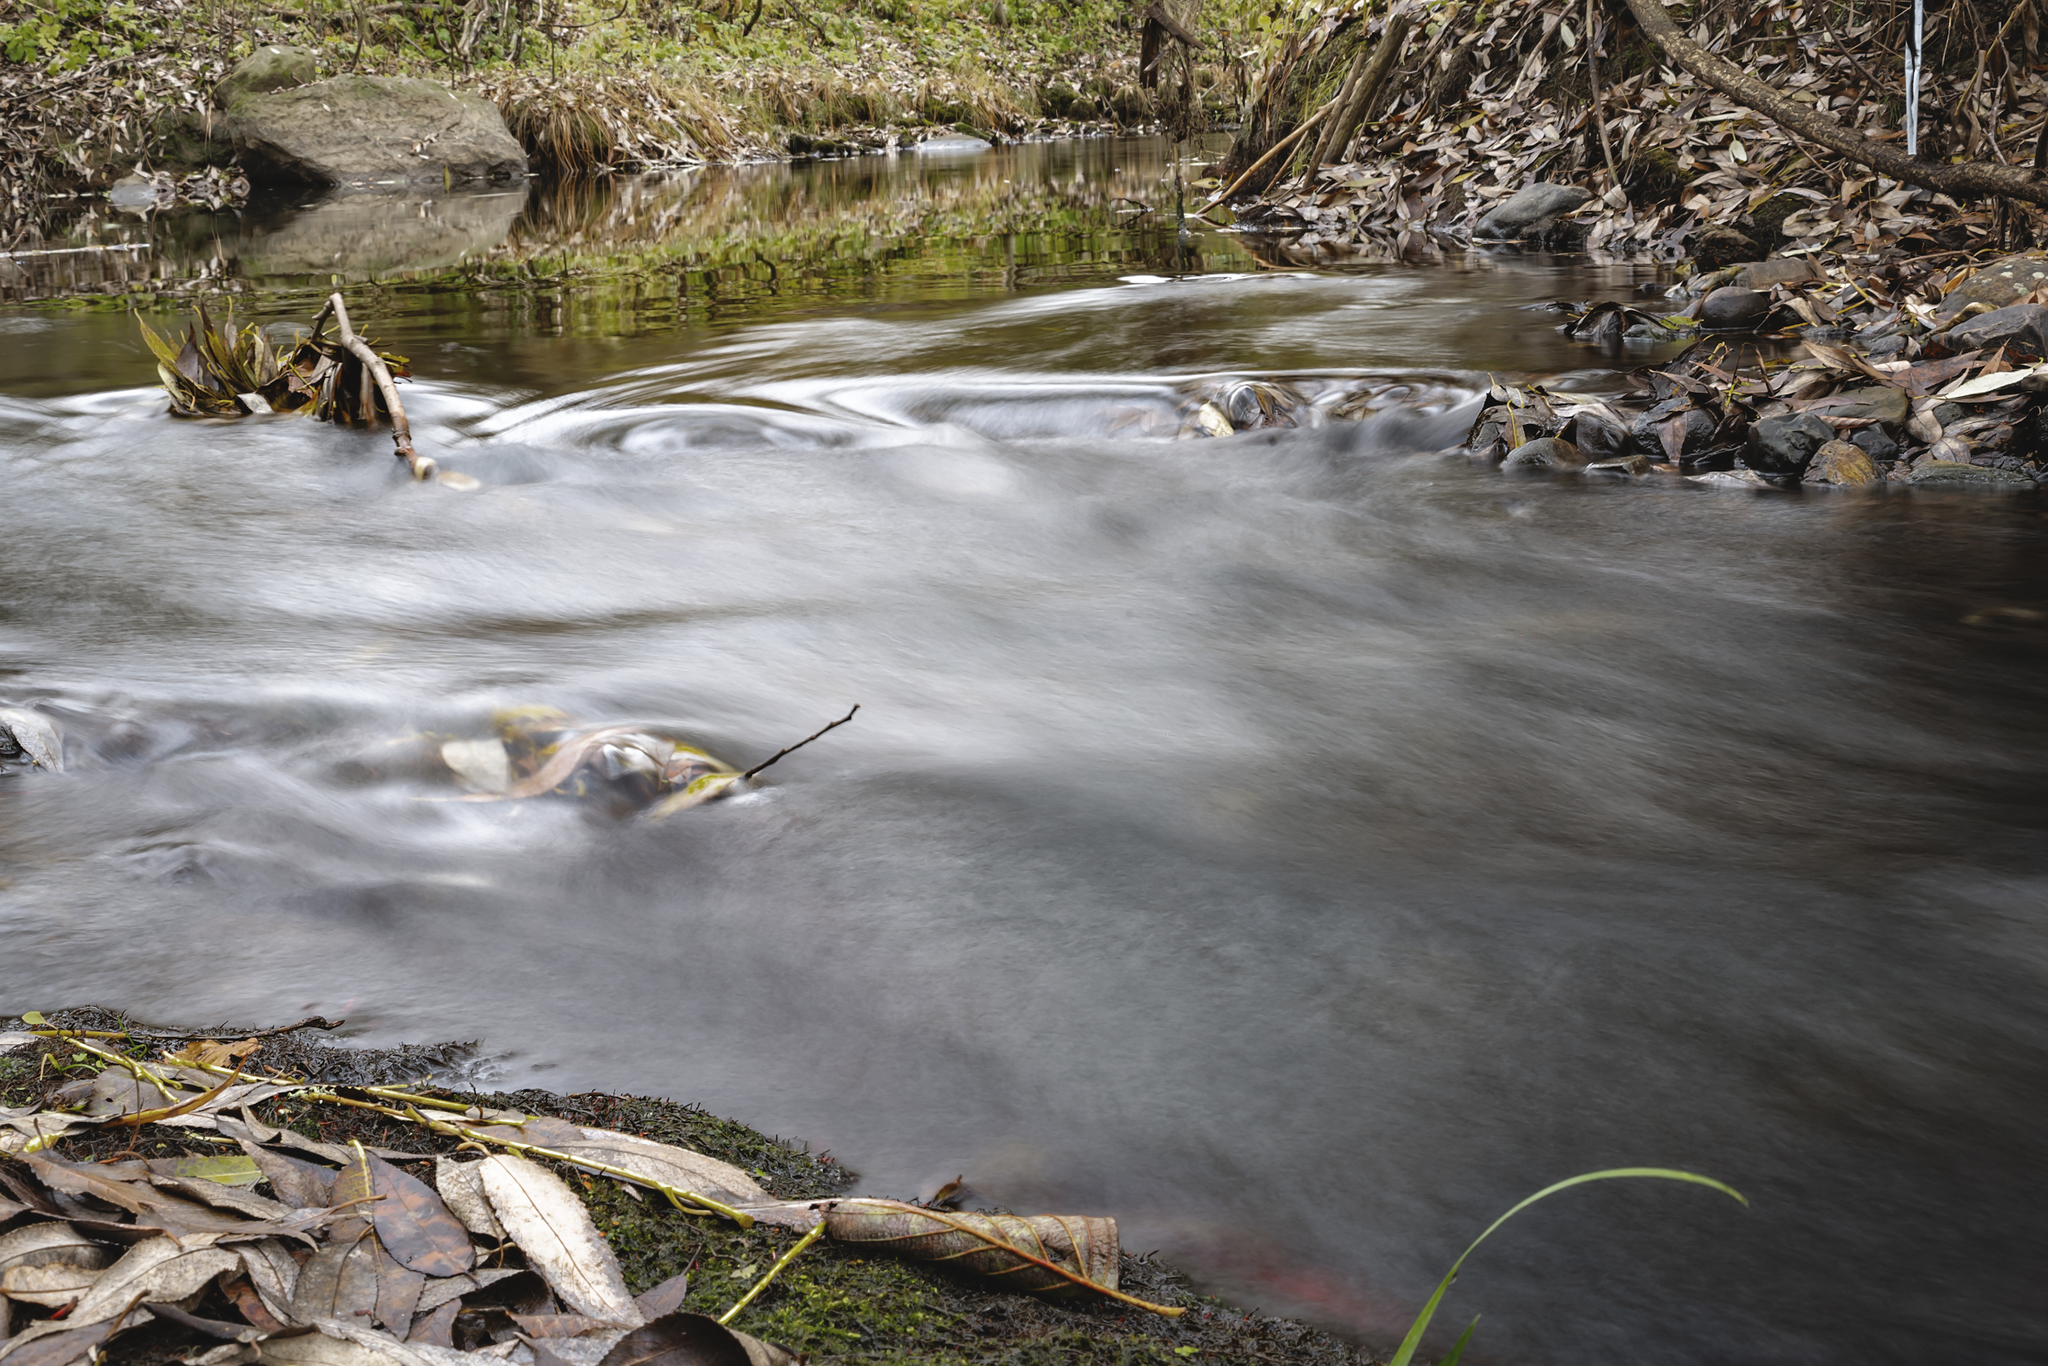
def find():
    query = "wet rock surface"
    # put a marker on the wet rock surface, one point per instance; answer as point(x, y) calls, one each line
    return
point(1785, 445)
point(1838, 464)
point(265, 70)
point(1734, 308)
point(1544, 453)
point(2022, 329)
point(372, 130)
point(1529, 210)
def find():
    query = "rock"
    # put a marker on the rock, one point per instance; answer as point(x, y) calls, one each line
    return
point(189, 139)
point(1784, 445)
point(1956, 474)
point(264, 70)
point(1544, 453)
point(1648, 438)
point(33, 736)
point(363, 130)
point(1634, 465)
point(1723, 246)
point(1061, 101)
point(1996, 283)
point(1888, 405)
point(1837, 464)
point(1734, 309)
point(1598, 437)
point(1875, 443)
point(1527, 208)
point(1732, 479)
point(2021, 328)
point(1779, 270)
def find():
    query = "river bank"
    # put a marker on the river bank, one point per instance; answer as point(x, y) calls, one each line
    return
point(839, 1302)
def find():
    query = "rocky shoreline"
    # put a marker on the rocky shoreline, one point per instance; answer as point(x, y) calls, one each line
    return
point(1884, 370)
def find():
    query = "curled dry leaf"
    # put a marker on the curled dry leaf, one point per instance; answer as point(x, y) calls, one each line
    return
point(553, 1229)
point(693, 1340)
point(440, 1292)
point(987, 1244)
point(57, 1342)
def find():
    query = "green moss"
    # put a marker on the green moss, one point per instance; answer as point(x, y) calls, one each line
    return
point(1772, 213)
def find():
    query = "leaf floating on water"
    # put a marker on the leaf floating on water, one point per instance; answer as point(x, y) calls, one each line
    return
point(460, 482)
point(693, 1340)
point(553, 1229)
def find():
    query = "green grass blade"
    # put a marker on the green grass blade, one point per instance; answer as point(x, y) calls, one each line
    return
point(1406, 1355)
point(1458, 1347)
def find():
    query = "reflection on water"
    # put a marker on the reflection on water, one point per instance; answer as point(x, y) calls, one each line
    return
point(1299, 844)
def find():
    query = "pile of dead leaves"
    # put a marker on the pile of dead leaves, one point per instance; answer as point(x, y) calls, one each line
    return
point(287, 1248)
point(1497, 97)
point(222, 370)
point(1905, 374)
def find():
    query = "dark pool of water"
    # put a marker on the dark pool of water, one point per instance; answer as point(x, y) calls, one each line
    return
point(1301, 844)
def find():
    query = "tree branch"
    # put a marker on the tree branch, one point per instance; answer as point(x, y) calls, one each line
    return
point(1968, 178)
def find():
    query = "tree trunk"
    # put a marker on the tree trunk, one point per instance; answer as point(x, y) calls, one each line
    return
point(1392, 40)
point(1967, 178)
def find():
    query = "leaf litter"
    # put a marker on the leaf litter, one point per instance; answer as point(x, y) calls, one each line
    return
point(554, 1245)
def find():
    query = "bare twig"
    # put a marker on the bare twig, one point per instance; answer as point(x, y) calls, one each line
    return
point(1599, 106)
point(401, 431)
point(1275, 150)
point(797, 746)
point(817, 1232)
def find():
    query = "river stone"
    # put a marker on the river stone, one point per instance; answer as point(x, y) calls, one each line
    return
point(1544, 453)
point(1527, 208)
point(190, 138)
point(264, 70)
point(1779, 270)
point(1722, 246)
point(1957, 474)
point(1598, 437)
point(363, 130)
point(1734, 309)
point(1883, 402)
point(1837, 464)
point(2021, 328)
point(1784, 445)
point(1635, 465)
point(1997, 283)
point(1876, 443)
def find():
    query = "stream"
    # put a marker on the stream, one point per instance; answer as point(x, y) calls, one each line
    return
point(1299, 844)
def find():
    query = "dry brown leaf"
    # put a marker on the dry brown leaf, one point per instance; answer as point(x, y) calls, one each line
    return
point(51, 1285)
point(209, 1053)
point(553, 1229)
point(338, 1282)
point(156, 1269)
point(414, 1226)
point(986, 1244)
point(693, 1340)
point(47, 1243)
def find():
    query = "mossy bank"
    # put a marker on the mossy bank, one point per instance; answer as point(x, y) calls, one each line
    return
point(835, 1303)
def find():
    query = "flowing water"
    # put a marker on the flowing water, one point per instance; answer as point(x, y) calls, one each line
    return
point(1299, 844)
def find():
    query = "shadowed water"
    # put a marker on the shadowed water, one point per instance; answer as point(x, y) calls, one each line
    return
point(1300, 844)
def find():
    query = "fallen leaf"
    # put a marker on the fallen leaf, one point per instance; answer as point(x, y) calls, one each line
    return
point(302, 1185)
point(670, 1165)
point(553, 1229)
point(461, 1187)
point(414, 1226)
point(664, 1298)
point(693, 1340)
point(153, 1270)
point(1086, 1247)
point(46, 1244)
point(338, 1282)
point(51, 1285)
point(224, 1170)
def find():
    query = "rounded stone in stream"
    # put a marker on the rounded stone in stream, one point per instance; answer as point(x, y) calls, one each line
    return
point(1837, 464)
point(1544, 453)
point(1527, 208)
point(1721, 246)
point(1732, 308)
point(1955, 474)
point(1785, 445)
point(1597, 437)
point(1875, 443)
point(2022, 329)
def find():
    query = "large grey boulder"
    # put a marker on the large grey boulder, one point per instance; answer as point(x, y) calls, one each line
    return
point(1529, 209)
point(2022, 329)
point(264, 70)
point(373, 130)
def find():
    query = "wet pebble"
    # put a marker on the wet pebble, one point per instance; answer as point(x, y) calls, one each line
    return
point(1838, 464)
point(1544, 453)
point(1734, 309)
point(1784, 445)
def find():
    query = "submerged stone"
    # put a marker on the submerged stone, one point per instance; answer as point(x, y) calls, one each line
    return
point(1544, 453)
point(1957, 474)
